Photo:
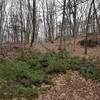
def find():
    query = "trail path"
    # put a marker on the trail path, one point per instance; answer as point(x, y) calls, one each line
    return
point(72, 86)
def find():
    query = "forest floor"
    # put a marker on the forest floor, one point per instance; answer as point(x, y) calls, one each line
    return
point(72, 86)
point(69, 86)
point(12, 50)
point(76, 50)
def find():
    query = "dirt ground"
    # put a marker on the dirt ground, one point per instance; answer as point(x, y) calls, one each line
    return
point(77, 51)
point(69, 86)
point(72, 86)
point(12, 50)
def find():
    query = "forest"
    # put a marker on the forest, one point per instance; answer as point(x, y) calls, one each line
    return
point(49, 49)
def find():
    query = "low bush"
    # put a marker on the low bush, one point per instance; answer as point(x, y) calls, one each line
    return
point(27, 92)
point(17, 78)
point(89, 43)
point(56, 67)
point(13, 74)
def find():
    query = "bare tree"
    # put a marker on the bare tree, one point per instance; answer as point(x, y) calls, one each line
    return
point(34, 22)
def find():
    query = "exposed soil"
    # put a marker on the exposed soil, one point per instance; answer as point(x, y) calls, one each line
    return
point(72, 86)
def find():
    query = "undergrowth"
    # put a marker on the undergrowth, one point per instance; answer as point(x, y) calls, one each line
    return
point(18, 77)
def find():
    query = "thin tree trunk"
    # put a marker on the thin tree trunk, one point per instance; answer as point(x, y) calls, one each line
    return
point(62, 27)
point(34, 22)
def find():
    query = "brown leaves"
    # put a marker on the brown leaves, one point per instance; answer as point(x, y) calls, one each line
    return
point(72, 86)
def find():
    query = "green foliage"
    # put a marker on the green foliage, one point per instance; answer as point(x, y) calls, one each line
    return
point(51, 62)
point(85, 67)
point(89, 43)
point(39, 77)
point(19, 74)
point(30, 58)
point(56, 65)
point(27, 92)
point(17, 78)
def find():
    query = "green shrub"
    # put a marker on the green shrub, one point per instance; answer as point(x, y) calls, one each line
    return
point(19, 73)
point(30, 58)
point(56, 65)
point(39, 77)
point(89, 43)
point(51, 62)
point(35, 68)
point(27, 92)
point(85, 67)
